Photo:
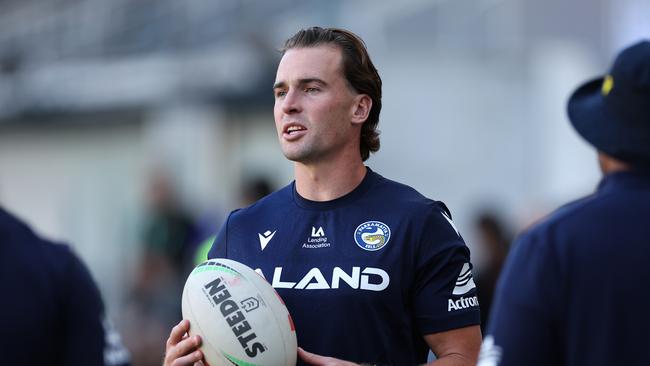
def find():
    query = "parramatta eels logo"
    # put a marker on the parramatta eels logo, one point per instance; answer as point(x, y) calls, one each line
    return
point(372, 235)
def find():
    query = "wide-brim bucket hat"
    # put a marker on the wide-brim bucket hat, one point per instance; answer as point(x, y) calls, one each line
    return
point(613, 112)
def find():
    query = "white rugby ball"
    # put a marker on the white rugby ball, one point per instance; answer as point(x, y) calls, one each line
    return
point(239, 316)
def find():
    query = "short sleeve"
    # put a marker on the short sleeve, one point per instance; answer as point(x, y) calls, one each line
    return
point(444, 291)
point(521, 325)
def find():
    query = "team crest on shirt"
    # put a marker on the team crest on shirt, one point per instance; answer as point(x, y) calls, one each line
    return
point(372, 235)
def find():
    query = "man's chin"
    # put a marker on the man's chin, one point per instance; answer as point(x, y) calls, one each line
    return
point(297, 156)
point(291, 153)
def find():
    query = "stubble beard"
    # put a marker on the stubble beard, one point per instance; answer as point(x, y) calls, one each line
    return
point(304, 154)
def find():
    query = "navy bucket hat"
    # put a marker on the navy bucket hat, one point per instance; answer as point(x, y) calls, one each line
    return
point(613, 112)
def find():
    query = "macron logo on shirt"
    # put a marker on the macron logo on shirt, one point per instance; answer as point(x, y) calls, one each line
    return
point(266, 238)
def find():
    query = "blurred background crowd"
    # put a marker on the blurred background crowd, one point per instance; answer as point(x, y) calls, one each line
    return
point(129, 129)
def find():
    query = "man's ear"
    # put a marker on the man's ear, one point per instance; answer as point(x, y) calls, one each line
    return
point(361, 108)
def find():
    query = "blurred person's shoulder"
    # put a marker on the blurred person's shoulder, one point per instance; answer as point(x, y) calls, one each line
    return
point(34, 269)
point(23, 247)
point(578, 222)
point(13, 230)
point(559, 220)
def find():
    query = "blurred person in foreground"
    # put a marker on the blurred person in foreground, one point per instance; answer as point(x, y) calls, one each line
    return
point(574, 290)
point(408, 285)
point(51, 310)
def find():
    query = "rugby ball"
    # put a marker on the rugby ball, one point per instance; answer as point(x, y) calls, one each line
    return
point(239, 316)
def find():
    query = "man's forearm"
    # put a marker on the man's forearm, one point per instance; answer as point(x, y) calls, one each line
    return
point(455, 359)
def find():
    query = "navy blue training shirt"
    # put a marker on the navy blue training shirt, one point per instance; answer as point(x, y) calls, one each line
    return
point(51, 312)
point(575, 288)
point(364, 276)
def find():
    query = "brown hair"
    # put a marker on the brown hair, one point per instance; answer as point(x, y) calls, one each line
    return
point(358, 70)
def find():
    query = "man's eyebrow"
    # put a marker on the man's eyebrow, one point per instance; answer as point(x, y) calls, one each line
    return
point(311, 80)
point(282, 84)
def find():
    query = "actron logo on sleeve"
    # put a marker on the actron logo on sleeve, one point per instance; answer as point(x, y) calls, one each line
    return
point(464, 284)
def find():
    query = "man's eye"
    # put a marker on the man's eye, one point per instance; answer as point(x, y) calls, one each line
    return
point(311, 90)
point(280, 93)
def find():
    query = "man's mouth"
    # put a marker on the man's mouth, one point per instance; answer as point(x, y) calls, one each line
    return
point(293, 129)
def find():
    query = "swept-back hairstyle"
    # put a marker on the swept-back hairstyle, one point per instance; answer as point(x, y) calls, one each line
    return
point(358, 70)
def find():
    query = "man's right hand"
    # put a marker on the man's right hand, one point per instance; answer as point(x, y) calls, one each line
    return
point(181, 349)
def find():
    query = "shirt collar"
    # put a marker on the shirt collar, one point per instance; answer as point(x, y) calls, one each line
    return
point(625, 180)
point(369, 179)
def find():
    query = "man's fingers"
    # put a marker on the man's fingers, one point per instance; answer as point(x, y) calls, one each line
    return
point(185, 346)
point(312, 358)
point(181, 349)
point(188, 360)
point(177, 332)
point(318, 360)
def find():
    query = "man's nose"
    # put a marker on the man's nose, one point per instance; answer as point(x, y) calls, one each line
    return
point(291, 102)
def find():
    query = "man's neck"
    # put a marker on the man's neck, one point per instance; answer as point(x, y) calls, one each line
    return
point(328, 181)
point(609, 164)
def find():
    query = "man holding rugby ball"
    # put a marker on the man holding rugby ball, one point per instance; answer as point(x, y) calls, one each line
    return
point(370, 270)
